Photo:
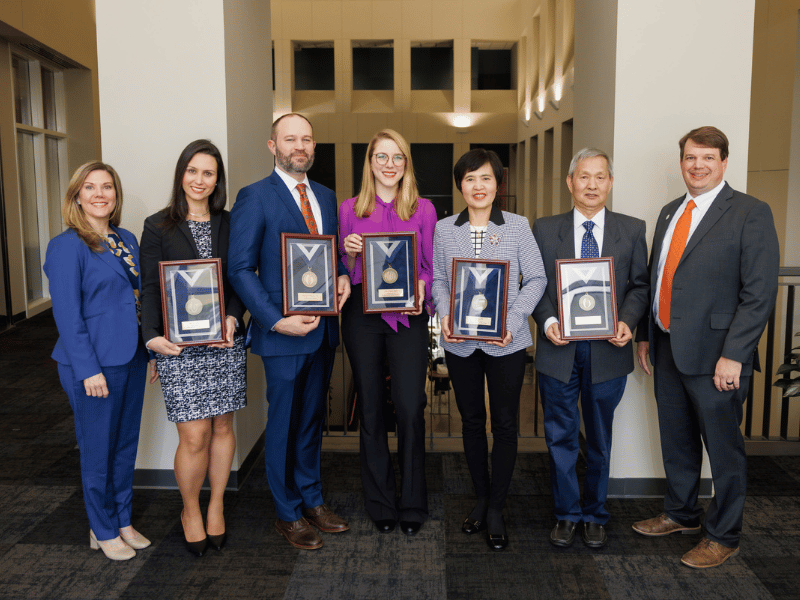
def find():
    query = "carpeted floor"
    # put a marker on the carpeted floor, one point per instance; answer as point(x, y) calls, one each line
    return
point(44, 551)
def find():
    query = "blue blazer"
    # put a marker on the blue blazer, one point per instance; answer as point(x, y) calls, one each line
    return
point(263, 210)
point(93, 304)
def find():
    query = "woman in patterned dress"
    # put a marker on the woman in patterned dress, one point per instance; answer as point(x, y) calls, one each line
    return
point(202, 385)
point(93, 272)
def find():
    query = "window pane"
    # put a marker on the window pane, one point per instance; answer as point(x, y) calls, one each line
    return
point(313, 69)
point(30, 216)
point(22, 90)
point(49, 99)
point(52, 147)
point(373, 68)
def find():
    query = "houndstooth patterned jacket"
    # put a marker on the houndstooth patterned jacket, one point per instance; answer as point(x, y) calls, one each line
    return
point(508, 237)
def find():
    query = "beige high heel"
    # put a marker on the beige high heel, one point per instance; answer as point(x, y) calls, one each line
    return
point(124, 553)
point(137, 542)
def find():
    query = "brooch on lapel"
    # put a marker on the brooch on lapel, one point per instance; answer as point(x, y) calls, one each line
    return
point(494, 239)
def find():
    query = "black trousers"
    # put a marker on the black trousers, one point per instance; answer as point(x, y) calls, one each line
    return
point(504, 376)
point(691, 409)
point(369, 341)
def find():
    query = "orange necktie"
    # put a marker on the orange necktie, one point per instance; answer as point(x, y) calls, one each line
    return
point(305, 205)
point(676, 248)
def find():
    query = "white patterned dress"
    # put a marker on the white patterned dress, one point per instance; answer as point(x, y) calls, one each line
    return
point(203, 382)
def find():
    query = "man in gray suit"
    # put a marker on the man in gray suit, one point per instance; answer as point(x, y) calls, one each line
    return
point(594, 370)
point(714, 279)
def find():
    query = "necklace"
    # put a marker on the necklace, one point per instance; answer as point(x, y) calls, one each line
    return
point(203, 215)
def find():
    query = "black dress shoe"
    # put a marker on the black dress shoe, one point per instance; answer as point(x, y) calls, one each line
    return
point(563, 533)
point(594, 535)
point(217, 542)
point(197, 548)
point(385, 525)
point(410, 527)
point(470, 526)
point(497, 542)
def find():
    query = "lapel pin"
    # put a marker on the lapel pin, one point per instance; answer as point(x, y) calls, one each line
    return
point(494, 239)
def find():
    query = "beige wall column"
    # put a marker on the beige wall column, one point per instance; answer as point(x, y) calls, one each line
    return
point(637, 112)
point(462, 76)
point(214, 82)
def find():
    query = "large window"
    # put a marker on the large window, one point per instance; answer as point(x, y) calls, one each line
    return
point(41, 153)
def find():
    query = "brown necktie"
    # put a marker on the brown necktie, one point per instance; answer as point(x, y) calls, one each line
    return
point(305, 205)
point(676, 248)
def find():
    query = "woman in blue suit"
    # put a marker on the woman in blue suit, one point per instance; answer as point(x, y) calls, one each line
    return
point(94, 285)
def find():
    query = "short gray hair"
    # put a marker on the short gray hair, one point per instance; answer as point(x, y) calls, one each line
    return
point(590, 153)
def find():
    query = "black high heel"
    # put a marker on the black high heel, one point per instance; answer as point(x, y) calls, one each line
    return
point(218, 541)
point(196, 548)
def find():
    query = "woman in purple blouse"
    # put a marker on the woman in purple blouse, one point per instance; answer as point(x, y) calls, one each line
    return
point(388, 203)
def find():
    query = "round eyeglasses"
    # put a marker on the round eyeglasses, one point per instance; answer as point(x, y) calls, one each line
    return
point(398, 160)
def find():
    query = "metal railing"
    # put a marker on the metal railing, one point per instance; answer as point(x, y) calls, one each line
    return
point(771, 399)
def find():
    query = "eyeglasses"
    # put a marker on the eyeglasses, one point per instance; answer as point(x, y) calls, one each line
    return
point(398, 160)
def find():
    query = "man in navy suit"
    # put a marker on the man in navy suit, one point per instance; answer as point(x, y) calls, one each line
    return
point(297, 351)
point(594, 370)
point(713, 282)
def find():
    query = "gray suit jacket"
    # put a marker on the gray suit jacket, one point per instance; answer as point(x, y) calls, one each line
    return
point(624, 240)
point(725, 284)
point(508, 237)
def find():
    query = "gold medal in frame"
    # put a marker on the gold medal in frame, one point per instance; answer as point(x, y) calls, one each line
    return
point(389, 272)
point(192, 301)
point(587, 299)
point(478, 299)
point(309, 274)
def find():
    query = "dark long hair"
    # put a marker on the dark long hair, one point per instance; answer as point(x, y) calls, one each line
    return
point(177, 209)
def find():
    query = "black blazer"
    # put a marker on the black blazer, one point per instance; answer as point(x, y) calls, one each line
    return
point(724, 287)
point(178, 244)
point(624, 240)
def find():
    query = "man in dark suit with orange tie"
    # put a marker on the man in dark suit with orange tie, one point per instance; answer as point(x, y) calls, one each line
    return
point(714, 279)
point(297, 351)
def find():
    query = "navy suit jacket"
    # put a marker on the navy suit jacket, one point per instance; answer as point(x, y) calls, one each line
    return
point(264, 210)
point(724, 286)
point(624, 240)
point(93, 304)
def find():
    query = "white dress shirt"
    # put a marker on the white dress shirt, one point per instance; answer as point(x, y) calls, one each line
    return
point(291, 183)
point(702, 204)
point(578, 220)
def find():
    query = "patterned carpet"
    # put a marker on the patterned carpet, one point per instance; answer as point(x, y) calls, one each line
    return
point(44, 551)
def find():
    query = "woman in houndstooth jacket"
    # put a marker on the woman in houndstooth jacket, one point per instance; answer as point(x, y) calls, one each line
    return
point(485, 231)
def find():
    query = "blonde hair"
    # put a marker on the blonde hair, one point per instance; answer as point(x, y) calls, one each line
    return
point(407, 194)
point(72, 213)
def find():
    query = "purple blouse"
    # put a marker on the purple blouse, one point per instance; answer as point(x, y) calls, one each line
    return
point(385, 220)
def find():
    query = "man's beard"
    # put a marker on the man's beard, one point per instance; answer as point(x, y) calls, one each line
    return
point(285, 162)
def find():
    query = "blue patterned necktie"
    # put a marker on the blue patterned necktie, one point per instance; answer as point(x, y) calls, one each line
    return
point(589, 244)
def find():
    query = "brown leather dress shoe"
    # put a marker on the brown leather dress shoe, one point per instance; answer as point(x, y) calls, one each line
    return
point(708, 553)
point(299, 534)
point(662, 525)
point(324, 519)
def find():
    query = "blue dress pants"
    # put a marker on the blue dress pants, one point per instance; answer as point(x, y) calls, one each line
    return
point(562, 422)
point(107, 430)
point(296, 390)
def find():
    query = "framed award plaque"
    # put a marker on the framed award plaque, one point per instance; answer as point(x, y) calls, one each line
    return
point(478, 298)
point(309, 274)
point(389, 272)
point(192, 301)
point(587, 299)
